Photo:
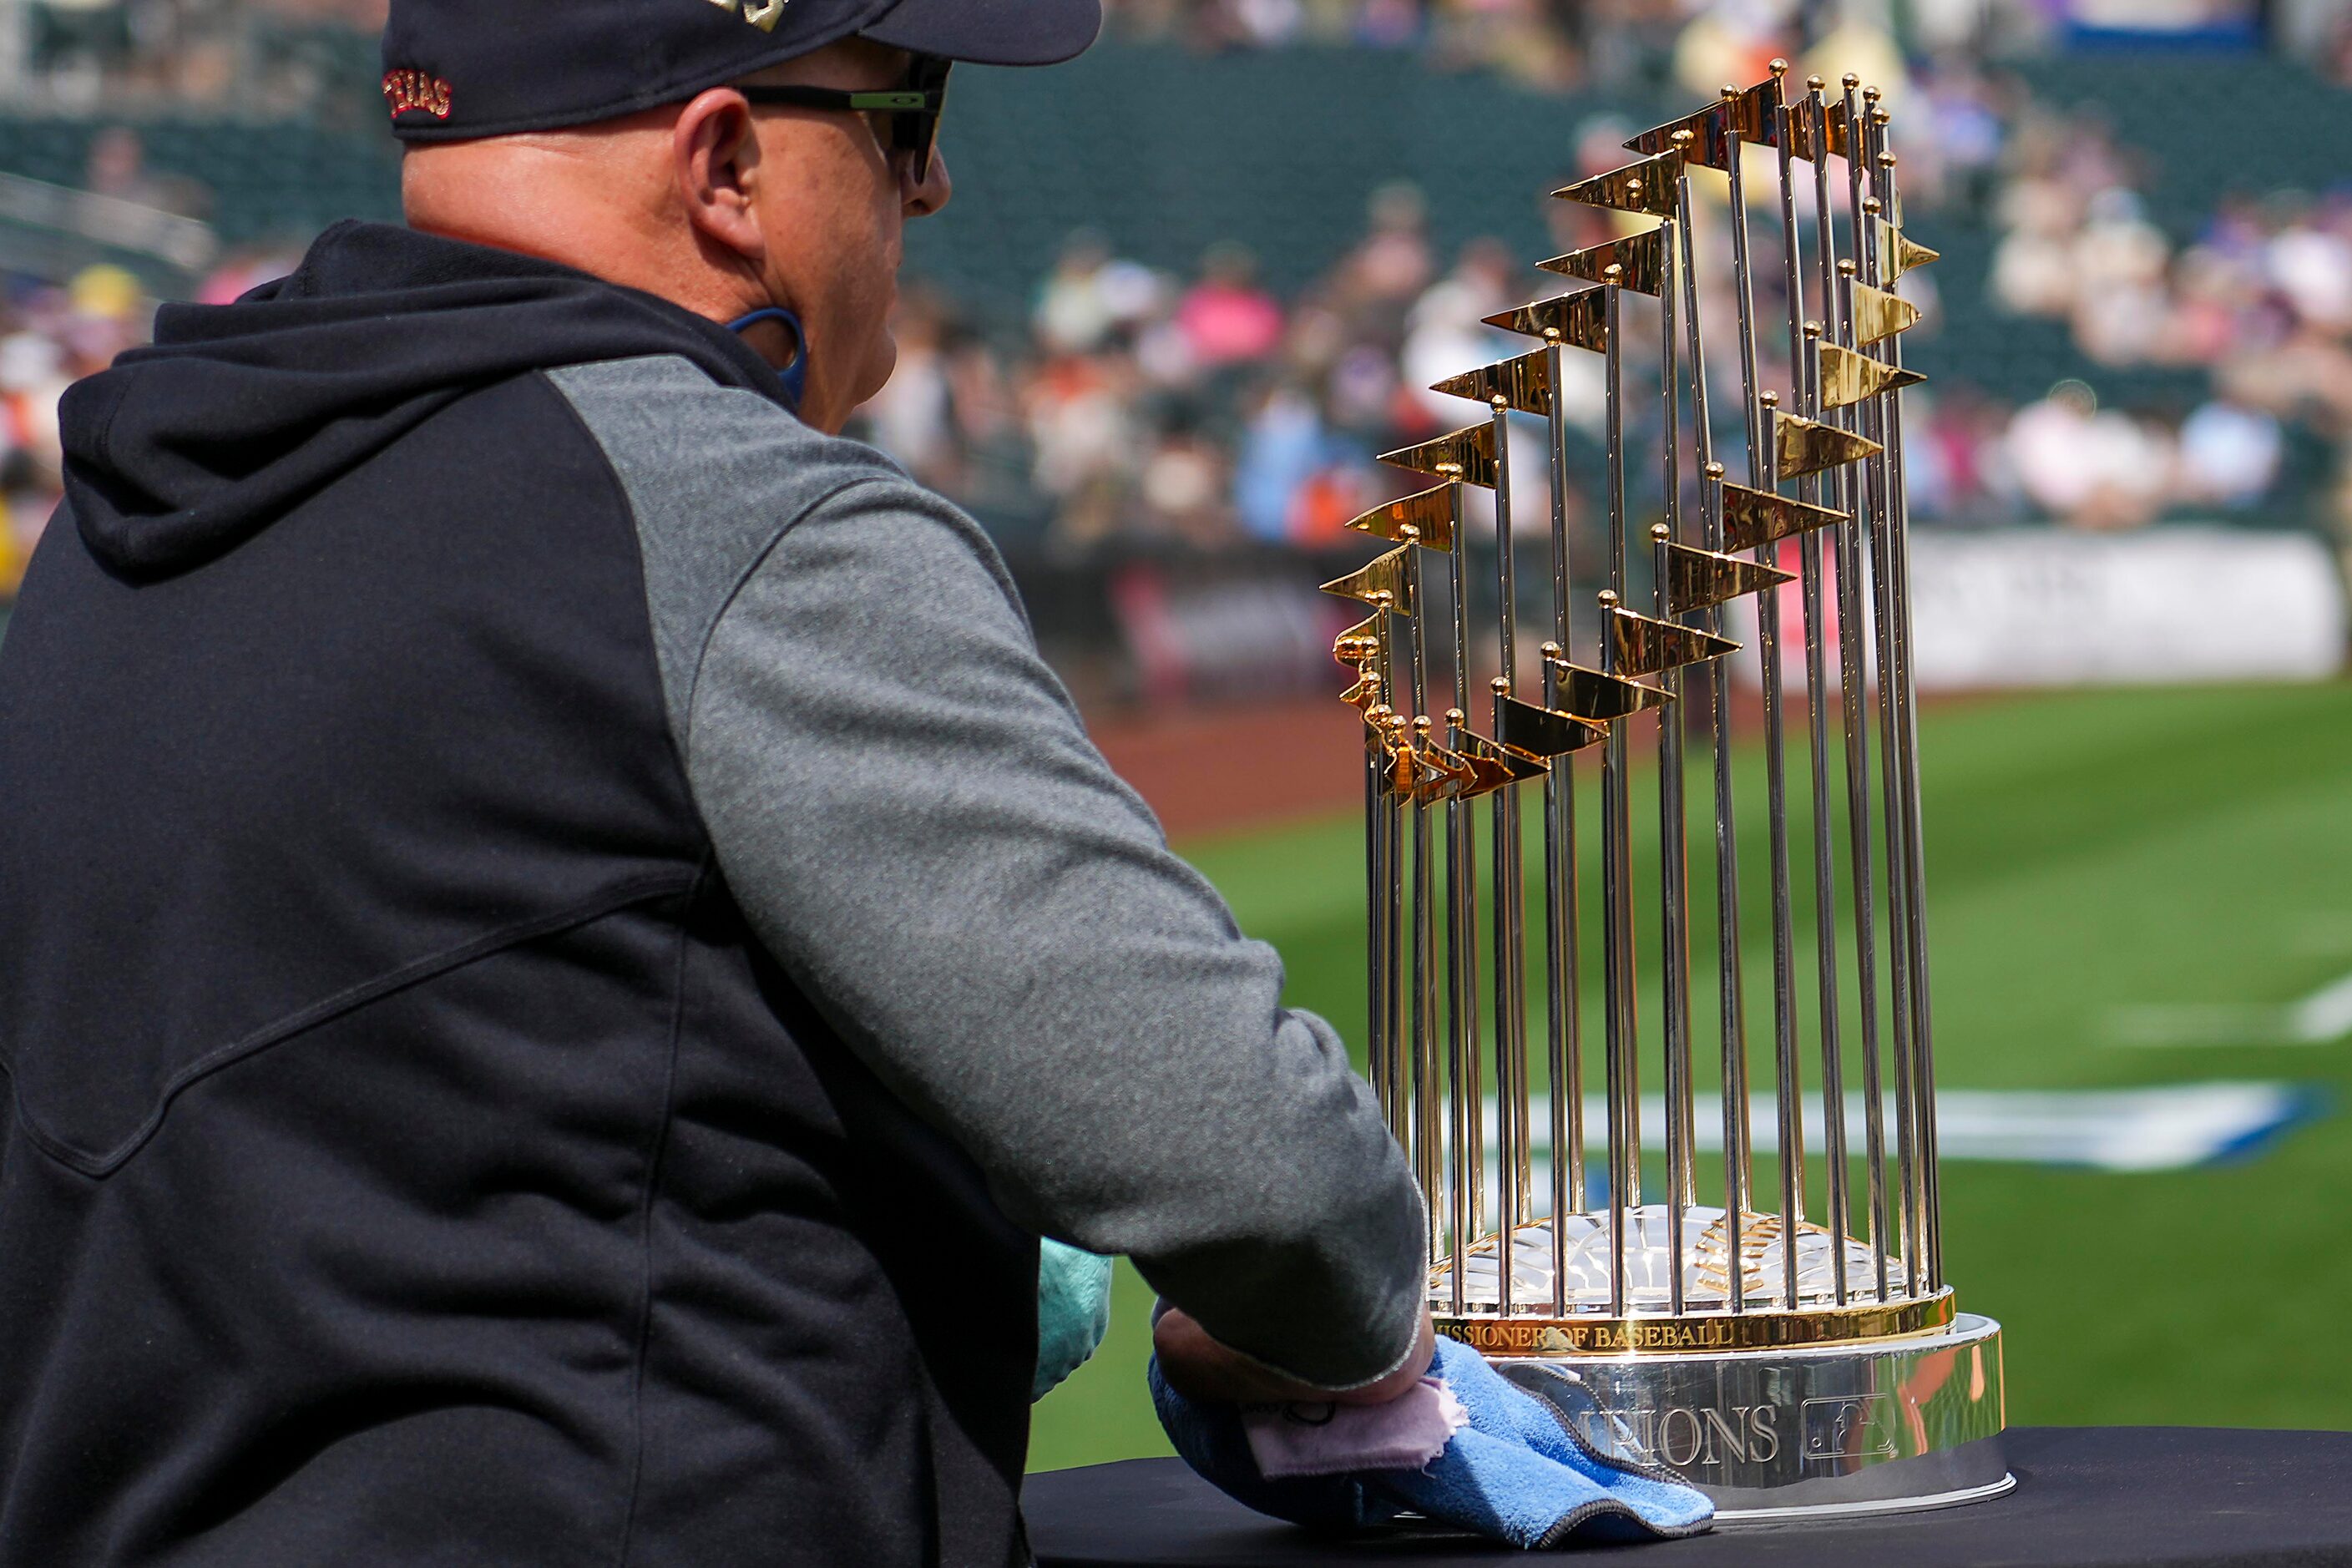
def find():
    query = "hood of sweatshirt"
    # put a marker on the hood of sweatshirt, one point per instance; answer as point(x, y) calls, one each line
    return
point(184, 449)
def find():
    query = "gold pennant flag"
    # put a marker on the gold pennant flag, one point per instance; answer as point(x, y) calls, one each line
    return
point(1698, 578)
point(1388, 575)
point(1581, 319)
point(1542, 732)
point(1644, 647)
point(1848, 378)
point(1524, 383)
point(1641, 257)
point(1596, 697)
point(1802, 447)
point(1362, 643)
point(1648, 186)
point(1495, 766)
point(1360, 647)
point(1401, 774)
point(1446, 775)
point(1747, 115)
point(1879, 315)
point(1467, 455)
point(1899, 252)
point(1711, 129)
point(1800, 132)
point(1752, 518)
point(1431, 512)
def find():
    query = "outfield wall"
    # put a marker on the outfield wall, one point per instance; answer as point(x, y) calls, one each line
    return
point(2051, 607)
point(2182, 603)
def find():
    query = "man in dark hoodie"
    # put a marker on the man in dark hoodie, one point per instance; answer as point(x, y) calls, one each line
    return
point(559, 948)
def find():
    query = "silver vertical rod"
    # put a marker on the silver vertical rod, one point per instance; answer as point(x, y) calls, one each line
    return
point(1428, 1091)
point(1681, 1135)
point(1673, 827)
point(1878, 481)
point(1817, 689)
point(1802, 338)
point(1908, 733)
point(1852, 639)
point(1744, 297)
point(1379, 1058)
point(1375, 939)
point(1511, 1086)
point(1617, 954)
point(1826, 910)
point(1464, 1076)
point(1565, 1060)
point(1510, 902)
point(1390, 1034)
point(1789, 1143)
point(1674, 964)
point(1790, 1147)
point(1733, 1023)
point(1561, 935)
point(1804, 365)
point(1428, 1087)
point(1393, 1037)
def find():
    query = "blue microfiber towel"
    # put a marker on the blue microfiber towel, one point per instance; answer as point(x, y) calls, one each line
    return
point(1073, 1311)
point(1515, 1474)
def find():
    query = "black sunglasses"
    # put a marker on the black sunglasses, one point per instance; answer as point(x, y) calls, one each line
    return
point(914, 108)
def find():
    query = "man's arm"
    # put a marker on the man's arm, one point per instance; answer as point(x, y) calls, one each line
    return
point(907, 807)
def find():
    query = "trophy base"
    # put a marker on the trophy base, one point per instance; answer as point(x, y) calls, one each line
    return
point(1880, 1427)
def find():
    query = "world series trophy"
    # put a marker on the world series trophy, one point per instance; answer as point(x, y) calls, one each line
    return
point(1793, 1351)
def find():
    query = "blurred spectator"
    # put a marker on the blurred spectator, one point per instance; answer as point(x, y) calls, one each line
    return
point(1226, 317)
point(2092, 467)
point(2230, 454)
point(1447, 330)
point(1090, 294)
point(1392, 264)
point(118, 168)
point(913, 417)
point(1183, 487)
point(1286, 448)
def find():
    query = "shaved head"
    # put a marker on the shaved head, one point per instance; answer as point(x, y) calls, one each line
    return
point(717, 207)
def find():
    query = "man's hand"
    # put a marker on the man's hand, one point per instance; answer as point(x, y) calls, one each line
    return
point(1200, 1368)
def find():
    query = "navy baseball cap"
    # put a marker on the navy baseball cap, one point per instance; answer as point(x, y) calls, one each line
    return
point(456, 68)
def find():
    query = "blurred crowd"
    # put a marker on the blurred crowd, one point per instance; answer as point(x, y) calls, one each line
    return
point(205, 50)
point(1696, 44)
point(50, 336)
point(1143, 408)
point(250, 56)
point(2261, 299)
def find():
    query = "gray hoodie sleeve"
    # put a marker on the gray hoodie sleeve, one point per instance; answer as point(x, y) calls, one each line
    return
point(908, 810)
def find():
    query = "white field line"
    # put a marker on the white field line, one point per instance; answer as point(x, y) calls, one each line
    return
point(2321, 1018)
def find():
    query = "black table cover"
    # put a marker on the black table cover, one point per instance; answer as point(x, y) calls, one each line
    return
point(2087, 1495)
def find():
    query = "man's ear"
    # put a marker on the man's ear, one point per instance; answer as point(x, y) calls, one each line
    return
point(716, 165)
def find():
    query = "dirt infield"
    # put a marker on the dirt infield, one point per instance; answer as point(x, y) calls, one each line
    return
point(1216, 769)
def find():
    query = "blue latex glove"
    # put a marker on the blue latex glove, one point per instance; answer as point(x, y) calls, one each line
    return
point(1073, 1311)
point(1515, 1474)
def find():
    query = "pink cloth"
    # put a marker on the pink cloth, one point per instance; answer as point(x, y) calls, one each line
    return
point(1405, 1434)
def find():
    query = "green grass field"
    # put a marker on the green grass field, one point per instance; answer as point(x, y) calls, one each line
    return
point(2088, 853)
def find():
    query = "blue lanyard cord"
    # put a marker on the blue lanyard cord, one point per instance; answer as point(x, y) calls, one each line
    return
point(795, 376)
